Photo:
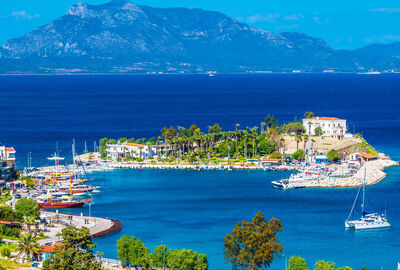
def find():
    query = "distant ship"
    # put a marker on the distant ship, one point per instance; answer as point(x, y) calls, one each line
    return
point(367, 220)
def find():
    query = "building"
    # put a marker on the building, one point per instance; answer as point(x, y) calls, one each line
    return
point(49, 249)
point(131, 150)
point(367, 157)
point(330, 126)
point(7, 153)
point(270, 162)
point(321, 159)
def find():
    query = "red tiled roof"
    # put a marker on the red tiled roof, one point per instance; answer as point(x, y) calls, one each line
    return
point(50, 249)
point(10, 149)
point(326, 118)
point(134, 144)
point(366, 155)
point(270, 160)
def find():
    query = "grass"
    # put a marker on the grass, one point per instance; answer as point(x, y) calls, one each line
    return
point(8, 264)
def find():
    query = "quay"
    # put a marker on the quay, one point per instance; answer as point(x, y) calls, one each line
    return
point(57, 221)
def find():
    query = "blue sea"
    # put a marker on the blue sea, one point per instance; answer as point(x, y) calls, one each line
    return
point(195, 209)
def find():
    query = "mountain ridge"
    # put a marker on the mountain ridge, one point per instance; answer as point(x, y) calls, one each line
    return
point(120, 36)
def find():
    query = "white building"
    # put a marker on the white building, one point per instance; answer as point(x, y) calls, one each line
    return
point(330, 126)
point(7, 153)
point(132, 150)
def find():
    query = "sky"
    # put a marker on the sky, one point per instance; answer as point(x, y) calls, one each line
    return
point(344, 24)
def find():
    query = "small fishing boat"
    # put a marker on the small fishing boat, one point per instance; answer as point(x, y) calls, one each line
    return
point(367, 220)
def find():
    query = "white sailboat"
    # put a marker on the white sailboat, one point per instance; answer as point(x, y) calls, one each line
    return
point(367, 220)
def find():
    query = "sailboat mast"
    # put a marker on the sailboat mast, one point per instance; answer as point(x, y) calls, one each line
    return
point(363, 199)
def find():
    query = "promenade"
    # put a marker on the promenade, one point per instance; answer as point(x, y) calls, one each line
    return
point(57, 221)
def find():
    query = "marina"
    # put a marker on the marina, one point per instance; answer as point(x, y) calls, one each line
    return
point(168, 202)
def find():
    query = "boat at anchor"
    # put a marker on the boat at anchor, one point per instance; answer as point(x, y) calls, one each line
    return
point(367, 220)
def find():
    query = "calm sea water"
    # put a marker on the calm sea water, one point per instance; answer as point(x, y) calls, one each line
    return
point(191, 209)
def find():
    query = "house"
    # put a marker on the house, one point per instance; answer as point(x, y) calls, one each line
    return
point(367, 157)
point(270, 162)
point(321, 159)
point(132, 150)
point(48, 250)
point(7, 153)
point(330, 126)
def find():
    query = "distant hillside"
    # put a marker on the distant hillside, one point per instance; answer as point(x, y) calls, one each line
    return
point(120, 36)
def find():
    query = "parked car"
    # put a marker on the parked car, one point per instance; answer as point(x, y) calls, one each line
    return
point(17, 196)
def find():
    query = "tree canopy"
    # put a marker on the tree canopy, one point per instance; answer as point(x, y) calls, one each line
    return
point(27, 207)
point(75, 253)
point(333, 155)
point(253, 244)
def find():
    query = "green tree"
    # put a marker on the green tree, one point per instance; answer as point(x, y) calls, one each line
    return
point(333, 155)
point(309, 115)
point(28, 246)
point(214, 129)
point(103, 148)
point(318, 131)
point(323, 265)
point(159, 256)
point(297, 263)
point(123, 247)
point(201, 262)
point(27, 207)
point(139, 254)
point(253, 245)
point(75, 253)
point(298, 155)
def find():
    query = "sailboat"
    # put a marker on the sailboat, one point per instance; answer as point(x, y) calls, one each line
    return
point(367, 220)
point(61, 203)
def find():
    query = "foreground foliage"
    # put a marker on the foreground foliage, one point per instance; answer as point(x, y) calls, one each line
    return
point(75, 253)
point(298, 263)
point(253, 244)
point(132, 252)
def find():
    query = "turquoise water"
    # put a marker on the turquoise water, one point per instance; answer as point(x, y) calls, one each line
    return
point(194, 209)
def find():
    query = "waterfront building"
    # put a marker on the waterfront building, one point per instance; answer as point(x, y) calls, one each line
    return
point(270, 162)
point(367, 157)
point(321, 159)
point(330, 126)
point(7, 153)
point(131, 150)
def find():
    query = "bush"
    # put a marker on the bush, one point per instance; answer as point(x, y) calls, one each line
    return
point(41, 234)
point(276, 155)
point(5, 252)
point(333, 155)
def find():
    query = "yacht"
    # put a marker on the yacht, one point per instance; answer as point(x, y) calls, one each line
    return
point(367, 220)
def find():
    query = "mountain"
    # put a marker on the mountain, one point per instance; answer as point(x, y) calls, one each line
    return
point(122, 37)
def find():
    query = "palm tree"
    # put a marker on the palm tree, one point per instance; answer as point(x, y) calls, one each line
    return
point(29, 220)
point(298, 139)
point(28, 246)
point(236, 141)
point(262, 126)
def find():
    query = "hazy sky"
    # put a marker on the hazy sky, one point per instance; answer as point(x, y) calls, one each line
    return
point(344, 24)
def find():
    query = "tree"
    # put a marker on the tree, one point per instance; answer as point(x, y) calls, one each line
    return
point(214, 129)
point(323, 265)
point(27, 207)
point(159, 256)
point(75, 252)
point(28, 246)
point(123, 247)
point(201, 262)
point(139, 254)
point(318, 131)
point(333, 155)
point(29, 220)
point(297, 263)
point(253, 245)
point(270, 121)
point(309, 115)
point(298, 155)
